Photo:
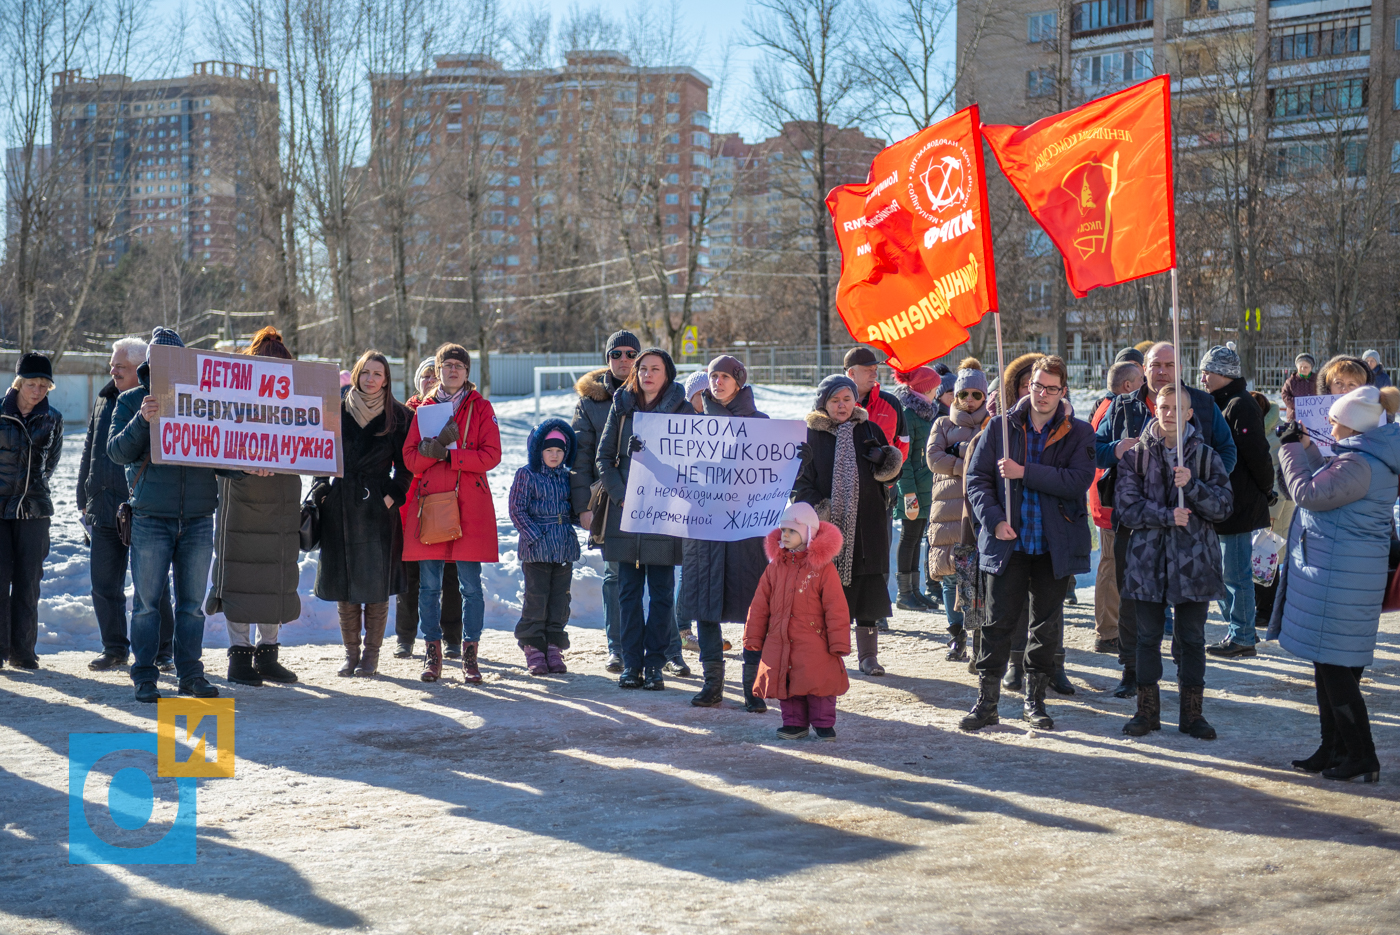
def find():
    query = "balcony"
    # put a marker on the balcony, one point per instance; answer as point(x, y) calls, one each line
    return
point(1102, 16)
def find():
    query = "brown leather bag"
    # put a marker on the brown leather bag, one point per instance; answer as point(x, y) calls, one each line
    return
point(439, 517)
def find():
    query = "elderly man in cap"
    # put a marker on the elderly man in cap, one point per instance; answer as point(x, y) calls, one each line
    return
point(172, 528)
point(1252, 480)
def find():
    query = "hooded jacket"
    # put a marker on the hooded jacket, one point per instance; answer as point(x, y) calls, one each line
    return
point(615, 445)
point(101, 483)
point(953, 431)
point(1252, 477)
point(1062, 477)
point(799, 620)
point(999, 399)
point(540, 505)
point(595, 394)
point(30, 446)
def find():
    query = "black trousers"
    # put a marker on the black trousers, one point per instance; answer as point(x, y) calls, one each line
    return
point(1340, 702)
point(1188, 641)
point(406, 608)
point(24, 544)
point(1127, 607)
point(107, 569)
point(911, 541)
point(1024, 576)
point(545, 610)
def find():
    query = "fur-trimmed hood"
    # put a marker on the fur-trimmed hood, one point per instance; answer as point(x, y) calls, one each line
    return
point(819, 421)
point(1012, 375)
point(824, 547)
point(597, 385)
point(915, 403)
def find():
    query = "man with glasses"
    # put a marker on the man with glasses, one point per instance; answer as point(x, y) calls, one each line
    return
point(1032, 544)
point(595, 393)
point(1118, 432)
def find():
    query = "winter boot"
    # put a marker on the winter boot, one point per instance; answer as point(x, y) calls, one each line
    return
point(867, 650)
point(711, 692)
point(1354, 732)
point(1015, 680)
point(534, 660)
point(932, 591)
point(240, 666)
point(652, 680)
point(451, 650)
point(957, 645)
point(265, 661)
point(909, 597)
point(1034, 708)
point(554, 657)
point(882, 625)
point(976, 651)
point(1059, 684)
point(1127, 685)
point(1149, 711)
point(1331, 752)
point(432, 660)
point(752, 703)
point(471, 674)
point(1191, 721)
point(403, 650)
point(376, 619)
point(350, 636)
point(984, 712)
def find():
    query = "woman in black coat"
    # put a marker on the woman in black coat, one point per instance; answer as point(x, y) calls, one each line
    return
point(846, 463)
point(361, 536)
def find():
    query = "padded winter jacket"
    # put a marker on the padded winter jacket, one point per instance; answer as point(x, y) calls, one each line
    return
point(885, 411)
point(615, 445)
point(1252, 477)
point(595, 394)
point(1329, 603)
point(540, 503)
point(101, 482)
point(946, 514)
point(916, 478)
point(257, 547)
point(799, 620)
point(1129, 414)
point(30, 446)
point(1297, 385)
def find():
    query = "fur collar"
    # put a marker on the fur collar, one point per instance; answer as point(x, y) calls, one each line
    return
point(819, 421)
point(916, 403)
point(597, 385)
point(824, 547)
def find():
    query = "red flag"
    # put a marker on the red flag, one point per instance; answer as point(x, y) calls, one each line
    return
point(916, 250)
point(1098, 179)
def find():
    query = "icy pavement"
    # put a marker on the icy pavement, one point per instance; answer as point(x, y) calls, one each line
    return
point(561, 804)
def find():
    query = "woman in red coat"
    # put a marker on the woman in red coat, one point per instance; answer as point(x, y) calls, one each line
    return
point(458, 457)
point(800, 622)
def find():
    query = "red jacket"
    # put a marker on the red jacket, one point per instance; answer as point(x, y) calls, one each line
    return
point(1103, 515)
point(799, 619)
point(477, 451)
point(884, 414)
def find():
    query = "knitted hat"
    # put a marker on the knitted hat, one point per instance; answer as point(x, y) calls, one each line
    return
point(1371, 354)
point(166, 336)
point(942, 368)
point(830, 385)
point(33, 366)
point(1129, 353)
point(970, 377)
point(1359, 410)
point(426, 364)
point(453, 352)
point(1223, 361)
point(946, 383)
point(1306, 359)
point(802, 518)
point(555, 439)
point(859, 357)
point(696, 382)
point(622, 339)
point(730, 365)
point(920, 379)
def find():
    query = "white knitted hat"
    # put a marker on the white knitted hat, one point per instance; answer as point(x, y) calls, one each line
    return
point(1359, 410)
point(802, 518)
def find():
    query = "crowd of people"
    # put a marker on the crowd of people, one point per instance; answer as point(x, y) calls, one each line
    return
point(995, 484)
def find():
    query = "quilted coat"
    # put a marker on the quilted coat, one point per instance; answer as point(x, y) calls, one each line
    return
point(540, 505)
point(1329, 601)
point(595, 392)
point(615, 443)
point(101, 482)
point(946, 519)
point(799, 620)
point(916, 478)
point(30, 446)
point(257, 548)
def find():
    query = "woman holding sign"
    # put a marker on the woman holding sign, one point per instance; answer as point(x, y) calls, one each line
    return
point(453, 459)
point(645, 561)
point(846, 463)
point(718, 579)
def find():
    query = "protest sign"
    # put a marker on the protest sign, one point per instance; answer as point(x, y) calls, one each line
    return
point(1312, 411)
point(239, 411)
point(717, 478)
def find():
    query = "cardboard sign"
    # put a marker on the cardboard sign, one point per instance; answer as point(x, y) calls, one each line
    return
point(237, 411)
point(1312, 411)
point(718, 478)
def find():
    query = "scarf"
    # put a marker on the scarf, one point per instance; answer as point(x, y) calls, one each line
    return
point(442, 396)
point(845, 497)
point(363, 409)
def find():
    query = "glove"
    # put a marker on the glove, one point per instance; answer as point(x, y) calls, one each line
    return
point(1273, 498)
point(874, 451)
point(954, 450)
point(432, 448)
point(449, 434)
point(634, 444)
point(1294, 433)
point(804, 452)
point(911, 506)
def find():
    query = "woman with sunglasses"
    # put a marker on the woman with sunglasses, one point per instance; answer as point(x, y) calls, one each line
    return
point(948, 446)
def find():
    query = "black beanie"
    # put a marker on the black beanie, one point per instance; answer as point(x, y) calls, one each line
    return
point(33, 366)
point(622, 339)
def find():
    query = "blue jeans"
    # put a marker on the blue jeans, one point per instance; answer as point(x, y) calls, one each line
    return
point(950, 597)
point(107, 568)
point(646, 632)
point(159, 546)
point(1238, 606)
point(430, 599)
point(611, 616)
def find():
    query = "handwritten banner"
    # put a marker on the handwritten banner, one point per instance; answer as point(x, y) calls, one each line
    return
point(710, 477)
point(237, 411)
point(1312, 412)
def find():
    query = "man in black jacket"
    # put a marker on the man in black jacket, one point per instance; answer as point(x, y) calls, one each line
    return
point(101, 489)
point(1252, 479)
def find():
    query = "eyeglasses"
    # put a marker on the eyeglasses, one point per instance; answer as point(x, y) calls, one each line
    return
point(970, 394)
point(618, 355)
point(1044, 390)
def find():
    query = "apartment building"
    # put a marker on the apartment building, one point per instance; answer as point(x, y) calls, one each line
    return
point(162, 160)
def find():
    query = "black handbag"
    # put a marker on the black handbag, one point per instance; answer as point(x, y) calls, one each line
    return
point(124, 509)
point(310, 531)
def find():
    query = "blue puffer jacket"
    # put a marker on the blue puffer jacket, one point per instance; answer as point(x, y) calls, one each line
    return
point(540, 504)
point(1338, 546)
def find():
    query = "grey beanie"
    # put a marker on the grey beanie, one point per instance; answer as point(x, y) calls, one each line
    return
point(1222, 360)
point(1372, 354)
point(424, 365)
point(1129, 354)
point(971, 380)
point(1306, 359)
point(696, 382)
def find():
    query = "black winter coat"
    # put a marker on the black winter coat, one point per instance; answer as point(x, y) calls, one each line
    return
point(257, 546)
point(29, 450)
point(101, 481)
point(362, 539)
point(718, 579)
point(1253, 476)
point(595, 396)
point(619, 546)
point(168, 491)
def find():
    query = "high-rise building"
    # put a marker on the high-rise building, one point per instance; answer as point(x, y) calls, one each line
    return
point(14, 180)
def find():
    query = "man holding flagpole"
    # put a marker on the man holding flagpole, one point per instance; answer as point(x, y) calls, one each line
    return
point(1027, 482)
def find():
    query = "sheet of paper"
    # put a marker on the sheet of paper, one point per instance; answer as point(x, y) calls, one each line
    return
point(431, 418)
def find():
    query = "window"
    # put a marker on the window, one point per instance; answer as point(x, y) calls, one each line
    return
point(1038, 294)
point(695, 198)
point(648, 98)
point(625, 96)
point(1395, 156)
point(1203, 6)
point(1319, 98)
point(700, 159)
point(672, 220)
point(1037, 243)
point(1040, 82)
point(673, 117)
point(700, 118)
point(1041, 27)
point(700, 139)
point(495, 217)
point(673, 179)
point(673, 98)
point(672, 198)
point(673, 159)
point(1106, 14)
point(1297, 160)
point(1395, 96)
point(1329, 37)
point(1113, 68)
point(674, 139)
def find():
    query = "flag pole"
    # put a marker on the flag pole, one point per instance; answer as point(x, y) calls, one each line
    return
point(1180, 388)
point(1005, 432)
